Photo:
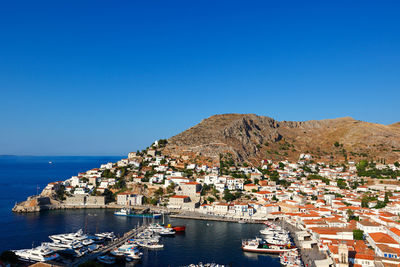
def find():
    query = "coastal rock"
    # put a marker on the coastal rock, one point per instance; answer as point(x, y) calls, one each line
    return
point(33, 204)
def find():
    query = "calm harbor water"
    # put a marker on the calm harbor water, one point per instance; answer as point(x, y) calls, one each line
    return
point(204, 241)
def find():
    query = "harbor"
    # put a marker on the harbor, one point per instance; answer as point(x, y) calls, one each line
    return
point(103, 247)
point(148, 235)
point(276, 240)
point(203, 241)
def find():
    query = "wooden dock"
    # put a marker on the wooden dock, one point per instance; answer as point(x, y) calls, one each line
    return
point(110, 246)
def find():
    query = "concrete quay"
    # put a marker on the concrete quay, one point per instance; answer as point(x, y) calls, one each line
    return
point(308, 256)
point(209, 217)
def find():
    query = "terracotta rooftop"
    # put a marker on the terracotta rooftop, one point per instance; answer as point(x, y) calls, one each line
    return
point(382, 238)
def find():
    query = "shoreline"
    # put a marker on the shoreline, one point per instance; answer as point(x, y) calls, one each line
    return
point(200, 216)
point(21, 208)
point(173, 213)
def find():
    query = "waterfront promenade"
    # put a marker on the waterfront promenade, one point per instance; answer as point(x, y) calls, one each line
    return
point(210, 217)
point(308, 256)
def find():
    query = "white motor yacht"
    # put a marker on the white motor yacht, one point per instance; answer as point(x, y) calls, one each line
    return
point(106, 235)
point(62, 246)
point(72, 238)
point(167, 232)
point(151, 245)
point(41, 253)
point(130, 251)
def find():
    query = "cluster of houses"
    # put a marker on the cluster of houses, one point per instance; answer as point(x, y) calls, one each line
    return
point(327, 209)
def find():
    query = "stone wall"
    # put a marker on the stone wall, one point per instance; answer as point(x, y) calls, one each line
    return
point(82, 200)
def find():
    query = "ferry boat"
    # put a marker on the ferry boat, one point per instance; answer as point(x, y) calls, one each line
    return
point(41, 253)
point(259, 246)
point(131, 213)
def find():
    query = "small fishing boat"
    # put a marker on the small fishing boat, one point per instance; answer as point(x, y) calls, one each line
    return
point(106, 259)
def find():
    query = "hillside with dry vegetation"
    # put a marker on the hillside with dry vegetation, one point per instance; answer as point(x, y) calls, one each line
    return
point(249, 137)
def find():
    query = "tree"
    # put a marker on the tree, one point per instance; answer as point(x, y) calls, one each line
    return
point(364, 201)
point(210, 199)
point(153, 201)
point(387, 195)
point(380, 205)
point(171, 188)
point(228, 196)
point(336, 144)
point(108, 174)
point(355, 185)
point(397, 164)
point(358, 234)
point(341, 184)
point(281, 165)
point(214, 192)
point(61, 193)
point(350, 213)
point(159, 192)
point(120, 184)
point(109, 196)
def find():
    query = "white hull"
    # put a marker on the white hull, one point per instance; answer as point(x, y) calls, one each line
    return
point(266, 250)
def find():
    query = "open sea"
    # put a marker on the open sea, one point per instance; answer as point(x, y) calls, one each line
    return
point(203, 241)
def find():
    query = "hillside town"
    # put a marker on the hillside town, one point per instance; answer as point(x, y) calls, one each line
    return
point(348, 211)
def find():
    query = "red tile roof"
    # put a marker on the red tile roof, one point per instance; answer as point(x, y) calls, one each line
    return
point(382, 238)
point(179, 196)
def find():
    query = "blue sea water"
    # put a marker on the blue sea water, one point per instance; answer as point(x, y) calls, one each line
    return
point(204, 241)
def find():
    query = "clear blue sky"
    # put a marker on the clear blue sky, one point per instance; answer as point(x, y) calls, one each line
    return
point(107, 77)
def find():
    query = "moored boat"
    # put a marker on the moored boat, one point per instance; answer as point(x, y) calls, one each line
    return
point(153, 245)
point(41, 253)
point(167, 232)
point(106, 259)
point(259, 246)
point(131, 213)
point(178, 228)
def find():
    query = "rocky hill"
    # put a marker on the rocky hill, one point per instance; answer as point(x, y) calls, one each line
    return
point(249, 137)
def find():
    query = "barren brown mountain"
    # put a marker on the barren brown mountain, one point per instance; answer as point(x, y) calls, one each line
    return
point(249, 137)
